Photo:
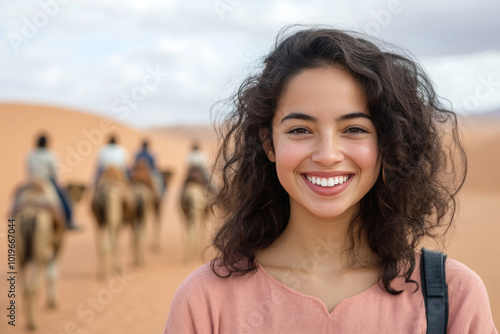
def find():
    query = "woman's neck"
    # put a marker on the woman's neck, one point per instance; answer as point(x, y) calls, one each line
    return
point(319, 244)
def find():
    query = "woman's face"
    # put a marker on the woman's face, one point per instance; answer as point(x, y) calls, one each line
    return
point(325, 144)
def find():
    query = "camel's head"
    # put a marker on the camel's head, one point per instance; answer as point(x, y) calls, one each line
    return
point(75, 191)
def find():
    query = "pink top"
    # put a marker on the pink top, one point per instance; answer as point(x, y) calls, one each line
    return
point(258, 303)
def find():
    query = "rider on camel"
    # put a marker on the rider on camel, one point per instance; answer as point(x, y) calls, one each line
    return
point(41, 163)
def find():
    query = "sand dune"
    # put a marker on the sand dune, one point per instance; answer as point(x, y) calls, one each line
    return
point(482, 138)
point(143, 305)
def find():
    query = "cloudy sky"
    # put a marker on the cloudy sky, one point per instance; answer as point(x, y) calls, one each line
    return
point(166, 62)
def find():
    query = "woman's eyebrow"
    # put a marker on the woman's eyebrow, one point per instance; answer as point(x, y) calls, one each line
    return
point(353, 115)
point(299, 115)
point(306, 117)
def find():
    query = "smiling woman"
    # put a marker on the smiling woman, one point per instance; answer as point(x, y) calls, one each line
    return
point(334, 165)
point(331, 139)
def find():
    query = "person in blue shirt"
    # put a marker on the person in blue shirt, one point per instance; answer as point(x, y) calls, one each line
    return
point(145, 154)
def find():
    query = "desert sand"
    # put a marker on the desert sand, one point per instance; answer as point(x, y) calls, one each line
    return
point(141, 303)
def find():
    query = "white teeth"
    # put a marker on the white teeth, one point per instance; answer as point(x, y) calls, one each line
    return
point(327, 182)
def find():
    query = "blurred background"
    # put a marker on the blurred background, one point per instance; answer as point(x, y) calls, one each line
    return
point(80, 71)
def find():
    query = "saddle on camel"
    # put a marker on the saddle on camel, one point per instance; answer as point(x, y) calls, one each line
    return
point(112, 178)
point(38, 193)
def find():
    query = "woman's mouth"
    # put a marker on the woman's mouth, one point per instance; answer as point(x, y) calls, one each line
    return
point(327, 181)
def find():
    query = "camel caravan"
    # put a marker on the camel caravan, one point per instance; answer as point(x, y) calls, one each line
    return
point(119, 202)
point(122, 198)
point(126, 197)
point(133, 198)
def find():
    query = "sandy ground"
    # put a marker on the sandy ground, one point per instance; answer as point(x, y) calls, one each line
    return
point(138, 301)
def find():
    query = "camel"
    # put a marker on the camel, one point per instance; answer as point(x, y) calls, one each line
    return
point(195, 208)
point(111, 205)
point(146, 203)
point(147, 192)
point(39, 234)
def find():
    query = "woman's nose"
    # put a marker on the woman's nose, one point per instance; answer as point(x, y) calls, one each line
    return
point(328, 151)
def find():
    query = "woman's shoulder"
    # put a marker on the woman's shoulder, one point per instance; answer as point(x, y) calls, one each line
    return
point(207, 291)
point(204, 280)
point(468, 300)
point(457, 274)
point(461, 280)
point(201, 277)
point(463, 283)
point(196, 292)
point(461, 277)
point(198, 301)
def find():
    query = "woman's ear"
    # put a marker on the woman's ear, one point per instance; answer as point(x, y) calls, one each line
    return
point(266, 139)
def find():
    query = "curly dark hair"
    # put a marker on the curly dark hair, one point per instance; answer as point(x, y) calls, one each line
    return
point(423, 160)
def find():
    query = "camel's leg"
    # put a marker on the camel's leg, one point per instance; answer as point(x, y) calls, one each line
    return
point(102, 252)
point(156, 240)
point(115, 220)
point(116, 254)
point(142, 242)
point(138, 242)
point(157, 207)
point(138, 237)
point(142, 224)
point(156, 228)
point(31, 281)
point(199, 219)
point(52, 272)
point(134, 240)
point(135, 243)
point(147, 220)
point(155, 246)
point(199, 202)
point(189, 199)
point(190, 241)
point(25, 263)
point(40, 241)
point(45, 251)
point(51, 282)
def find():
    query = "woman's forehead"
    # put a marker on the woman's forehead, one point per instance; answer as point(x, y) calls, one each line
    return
point(327, 90)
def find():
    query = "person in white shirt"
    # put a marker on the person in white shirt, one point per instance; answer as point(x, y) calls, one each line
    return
point(41, 163)
point(199, 161)
point(111, 154)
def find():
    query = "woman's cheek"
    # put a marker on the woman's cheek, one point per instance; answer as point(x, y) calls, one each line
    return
point(291, 154)
point(365, 156)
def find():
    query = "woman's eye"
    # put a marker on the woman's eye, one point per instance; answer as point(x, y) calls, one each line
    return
point(355, 129)
point(299, 131)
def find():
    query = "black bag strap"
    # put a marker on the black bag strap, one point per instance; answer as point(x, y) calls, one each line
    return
point(435, 290)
